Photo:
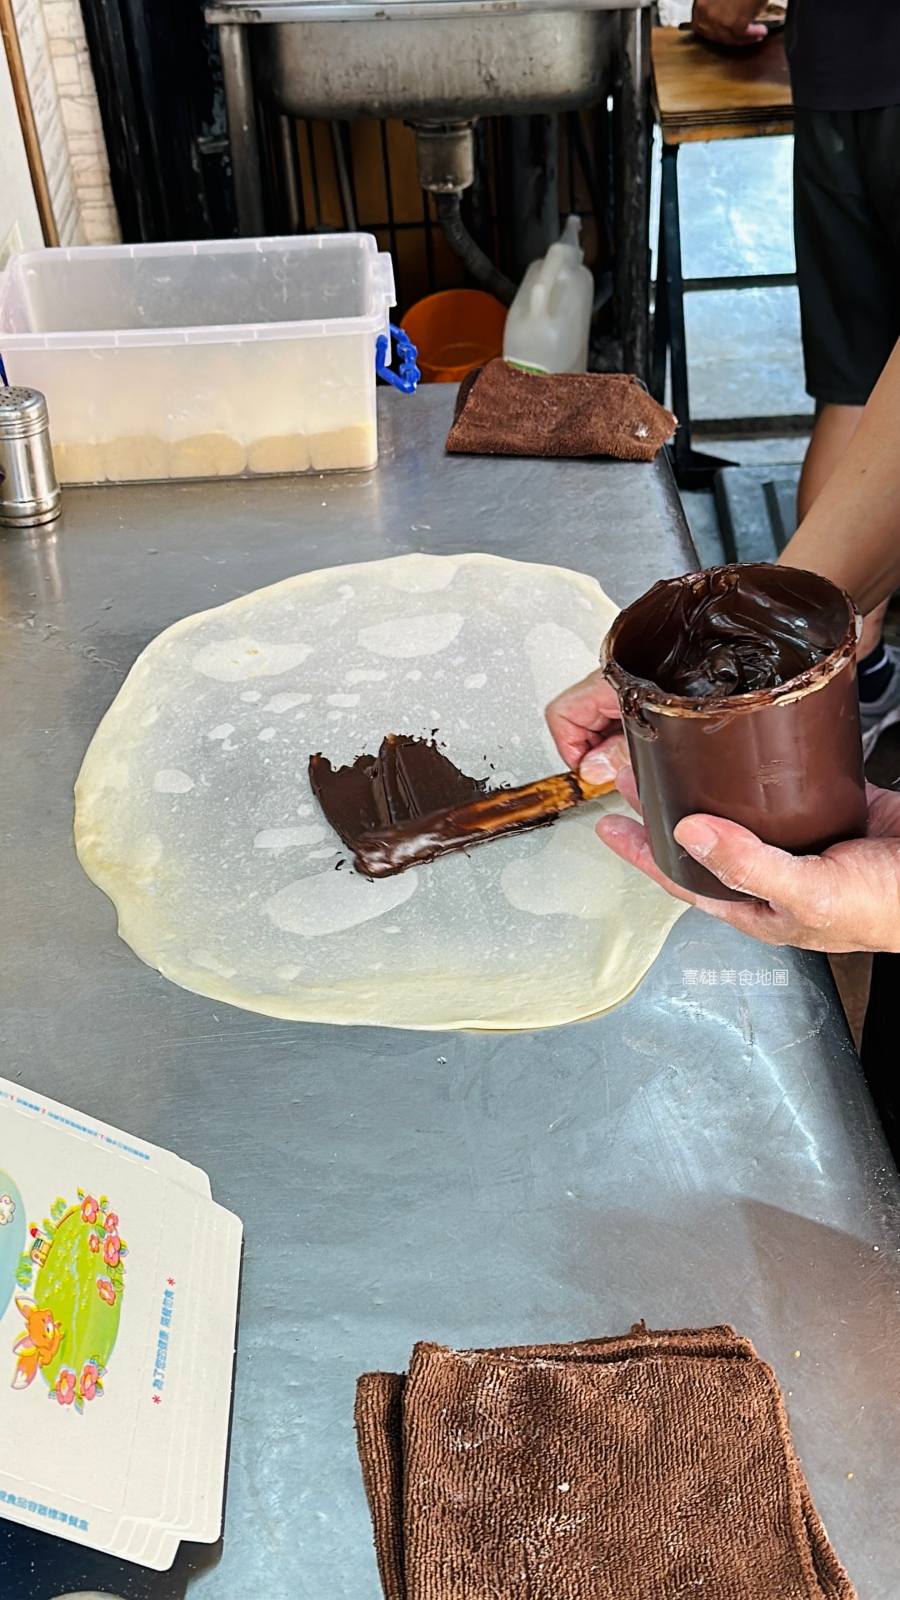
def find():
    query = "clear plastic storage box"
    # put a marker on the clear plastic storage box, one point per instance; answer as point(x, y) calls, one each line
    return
point(221, 358)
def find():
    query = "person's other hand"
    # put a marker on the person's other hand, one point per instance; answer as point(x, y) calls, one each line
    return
point(729, 21)
point(587, 729)
point(848, 898)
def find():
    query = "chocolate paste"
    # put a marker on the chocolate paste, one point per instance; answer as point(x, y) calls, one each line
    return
point(407, 779)
point(409, 804)
point(734, 635)
point(738, 695)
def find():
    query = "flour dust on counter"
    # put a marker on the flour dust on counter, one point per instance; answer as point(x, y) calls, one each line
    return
point(195, 813)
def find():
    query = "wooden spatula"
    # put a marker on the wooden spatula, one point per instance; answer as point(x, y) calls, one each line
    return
point(384, 851)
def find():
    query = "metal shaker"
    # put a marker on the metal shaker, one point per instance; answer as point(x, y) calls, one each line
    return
point(29, 492)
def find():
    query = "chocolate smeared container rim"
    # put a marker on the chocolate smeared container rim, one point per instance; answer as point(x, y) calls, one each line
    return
point(646, 695)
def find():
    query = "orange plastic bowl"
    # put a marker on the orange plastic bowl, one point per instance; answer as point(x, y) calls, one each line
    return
point(454, 332)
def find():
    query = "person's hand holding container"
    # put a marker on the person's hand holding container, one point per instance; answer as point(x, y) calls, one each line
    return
point(737, 687)
point(796, 782)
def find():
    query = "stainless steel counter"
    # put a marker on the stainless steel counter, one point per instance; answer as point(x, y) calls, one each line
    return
point(704, 1153)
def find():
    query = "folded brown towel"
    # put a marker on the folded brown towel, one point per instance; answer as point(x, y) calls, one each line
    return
point(657, 1466)
point(503, 411)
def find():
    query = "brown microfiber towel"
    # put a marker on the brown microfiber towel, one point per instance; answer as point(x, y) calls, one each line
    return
point(657, 1466)
point(503, 411)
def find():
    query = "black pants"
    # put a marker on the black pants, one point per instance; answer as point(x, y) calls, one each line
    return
point(847, 236)
point(881, 1046)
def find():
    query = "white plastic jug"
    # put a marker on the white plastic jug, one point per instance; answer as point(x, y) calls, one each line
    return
point(549, 321)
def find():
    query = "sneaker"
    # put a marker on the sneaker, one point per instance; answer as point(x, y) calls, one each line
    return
point(877, 715)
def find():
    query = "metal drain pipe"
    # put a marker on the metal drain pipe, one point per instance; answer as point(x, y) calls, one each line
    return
point(446, 154)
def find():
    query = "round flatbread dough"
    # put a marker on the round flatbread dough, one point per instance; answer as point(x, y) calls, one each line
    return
point(195, 815)
point(207, 455)
point(288, 452)
point(79, 463)
point(354, 446)
point(135, 456)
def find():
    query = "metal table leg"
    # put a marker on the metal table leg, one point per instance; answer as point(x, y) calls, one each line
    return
point(693, 469)
point(289, 169)
point(240, 107)
point(661, 334)
point(632, 136)
point(673, 291)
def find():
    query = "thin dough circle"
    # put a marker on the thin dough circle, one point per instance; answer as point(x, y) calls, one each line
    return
point(194, 812)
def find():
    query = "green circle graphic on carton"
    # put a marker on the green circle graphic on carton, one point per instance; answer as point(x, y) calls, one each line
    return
point(12, 1237)
point(73, 1301)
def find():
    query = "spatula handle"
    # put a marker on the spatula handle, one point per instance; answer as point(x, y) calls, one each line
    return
point(385, 851)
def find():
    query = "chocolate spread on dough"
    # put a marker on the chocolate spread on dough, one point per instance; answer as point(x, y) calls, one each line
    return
point(409, 804)
point(407, 779)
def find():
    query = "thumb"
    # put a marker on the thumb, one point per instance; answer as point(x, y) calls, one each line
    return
point(606, 761)
point(741, 861)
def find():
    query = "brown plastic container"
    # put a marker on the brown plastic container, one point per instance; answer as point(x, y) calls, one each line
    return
point(785, 762)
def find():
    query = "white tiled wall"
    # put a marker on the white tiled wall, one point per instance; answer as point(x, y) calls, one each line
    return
point(61, 83)
point(20, 227)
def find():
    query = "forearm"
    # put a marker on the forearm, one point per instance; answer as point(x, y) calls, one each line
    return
point(852, 532)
